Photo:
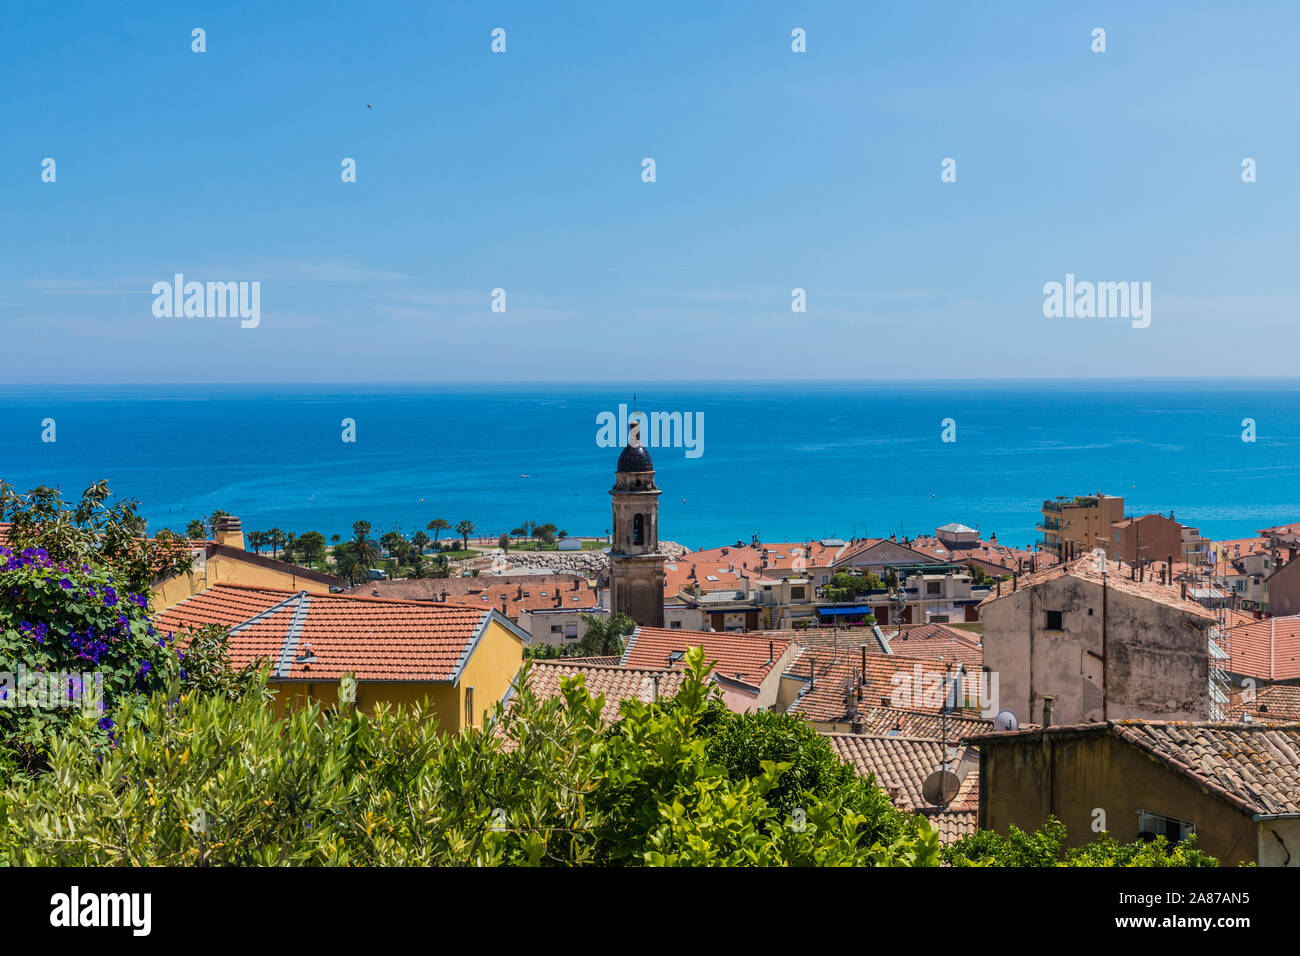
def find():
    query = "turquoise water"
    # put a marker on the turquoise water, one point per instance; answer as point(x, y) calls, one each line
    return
point(784, 461)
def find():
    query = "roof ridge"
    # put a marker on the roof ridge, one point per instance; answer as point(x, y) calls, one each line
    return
point(230, 586)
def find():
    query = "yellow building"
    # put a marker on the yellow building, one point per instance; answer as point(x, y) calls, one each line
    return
point(1073, 527)
point(462, 660)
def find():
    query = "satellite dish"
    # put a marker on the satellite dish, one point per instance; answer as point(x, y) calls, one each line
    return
point(1006, 720)
point(940, 787)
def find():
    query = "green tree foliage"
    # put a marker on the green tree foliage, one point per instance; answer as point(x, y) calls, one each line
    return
point(95, 532)
point(311, 547)
point(845, 586)
point(604, 637)
point(1046, 847)
point(204, 779)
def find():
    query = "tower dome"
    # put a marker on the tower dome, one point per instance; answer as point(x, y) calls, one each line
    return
point(635, 458)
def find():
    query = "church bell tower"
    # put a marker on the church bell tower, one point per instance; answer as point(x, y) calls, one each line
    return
point(636, 568)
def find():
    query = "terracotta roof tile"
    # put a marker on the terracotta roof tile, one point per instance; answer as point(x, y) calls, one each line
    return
point(898, 722)
point(842, 689)
point(1267, 649)
point(744, 657)
point(616, 683)
point(324, 636)
point(531, 592)
point(1254, 767)
point(1272, 702)
point(937, 642)
point(900, 766)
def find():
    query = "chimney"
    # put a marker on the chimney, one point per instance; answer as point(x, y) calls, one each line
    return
point(229, 531)
point(771, 651)
point(504, 605)
point(1184, 589)
point(519, 592)
point(1047, 710)
point(864, 663)
point(444, 597)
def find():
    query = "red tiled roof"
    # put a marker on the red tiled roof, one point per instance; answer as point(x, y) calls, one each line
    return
point(742, 657)
point(324, 636)
point(1267, 649)
point(1268, 703)
point(616, 683)
point(901, 764)
point(1254, 767)
point(531, 592)
point(937, 642)
point(897, 722)
point(841, 689)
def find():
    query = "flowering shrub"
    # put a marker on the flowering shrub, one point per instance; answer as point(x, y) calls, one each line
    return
point(55, 620)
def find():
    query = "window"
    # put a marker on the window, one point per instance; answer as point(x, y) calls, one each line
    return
point(796, 594)
point(638, 529)
point(676, 625)
point(1152, 825)
point(1053, 620)
point(555, 629)
point(931, 587)
point(570, 630)
point(469, 706)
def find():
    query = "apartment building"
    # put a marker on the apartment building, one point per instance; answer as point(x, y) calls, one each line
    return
point(1074, 526)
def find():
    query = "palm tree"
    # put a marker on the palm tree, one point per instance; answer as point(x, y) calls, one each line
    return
point(420, 540)
point(437, 526)
point(465, 529)
point(214, 518)
point(348, 564)
point(274, 537)
point(196, 530)
point(257, 539)
point(366, 549)
point(604, 638)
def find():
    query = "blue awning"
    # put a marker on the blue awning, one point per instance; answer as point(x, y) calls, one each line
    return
point(844, 610)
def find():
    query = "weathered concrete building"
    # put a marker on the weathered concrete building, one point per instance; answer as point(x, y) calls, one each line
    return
point(1101, 645)
point(1236, 786)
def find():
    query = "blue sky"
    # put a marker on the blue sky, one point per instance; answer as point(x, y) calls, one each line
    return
point(522, 171)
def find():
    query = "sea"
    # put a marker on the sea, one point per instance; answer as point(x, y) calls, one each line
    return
point(783, 461)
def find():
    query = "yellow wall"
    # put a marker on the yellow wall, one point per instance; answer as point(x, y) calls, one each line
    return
point(1024, 783)
point(491, 669)
point(223, 569)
